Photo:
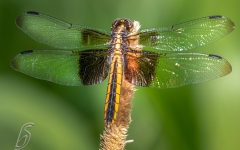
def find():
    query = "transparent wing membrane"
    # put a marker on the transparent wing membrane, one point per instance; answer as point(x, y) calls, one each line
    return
point(187, 35)
point(60, 34)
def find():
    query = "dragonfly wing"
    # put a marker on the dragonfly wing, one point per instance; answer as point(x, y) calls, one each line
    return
point(59, 34)
point(187, 35)
point(171, 70)
point(65, 67)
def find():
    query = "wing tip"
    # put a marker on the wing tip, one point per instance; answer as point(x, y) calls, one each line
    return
point(226, 66)
point(228, 21)
point(21, 18)
point(15, 61)
point(14, 64)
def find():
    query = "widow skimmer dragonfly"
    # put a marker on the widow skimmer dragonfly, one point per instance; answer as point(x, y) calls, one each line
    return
point(148, 58)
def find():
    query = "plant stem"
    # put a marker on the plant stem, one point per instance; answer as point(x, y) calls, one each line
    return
point(114, 137)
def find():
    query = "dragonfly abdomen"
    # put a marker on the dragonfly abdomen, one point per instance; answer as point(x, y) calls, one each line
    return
point(113, 90)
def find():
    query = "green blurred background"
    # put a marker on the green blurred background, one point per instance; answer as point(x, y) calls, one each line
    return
point(195, 117)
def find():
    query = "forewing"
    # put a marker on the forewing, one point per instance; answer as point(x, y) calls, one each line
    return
point(171, 70)
point(187, 35)
point(65, 67)
point(59, 34)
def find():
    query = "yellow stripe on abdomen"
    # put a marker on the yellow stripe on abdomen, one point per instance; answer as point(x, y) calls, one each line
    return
point(113, 90)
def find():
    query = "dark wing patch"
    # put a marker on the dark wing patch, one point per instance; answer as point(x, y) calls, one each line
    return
point(94, 66)
point(139, 68)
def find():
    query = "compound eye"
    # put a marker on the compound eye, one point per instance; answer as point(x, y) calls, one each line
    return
point(114, 24)
point(129, 24)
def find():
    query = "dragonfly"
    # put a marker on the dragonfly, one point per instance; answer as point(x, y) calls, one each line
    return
point(148, 58)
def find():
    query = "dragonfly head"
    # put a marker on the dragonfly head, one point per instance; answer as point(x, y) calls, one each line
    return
point(122, 24)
